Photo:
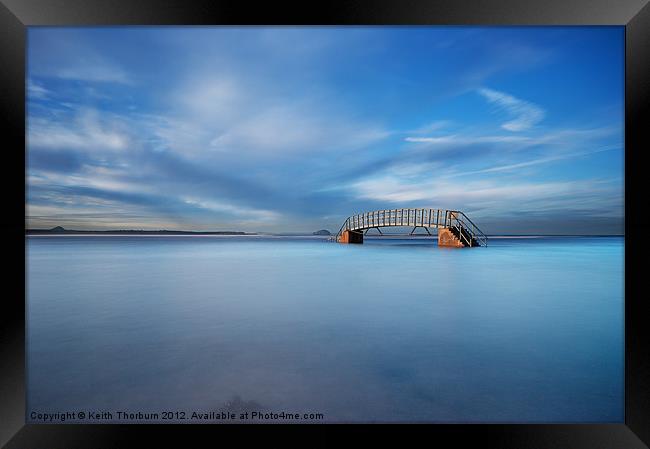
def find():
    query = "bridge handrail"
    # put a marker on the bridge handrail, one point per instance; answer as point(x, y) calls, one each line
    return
point(344, 225)
point(475, 231)
point(386, 216)
point(426, 217)
point(461, 234)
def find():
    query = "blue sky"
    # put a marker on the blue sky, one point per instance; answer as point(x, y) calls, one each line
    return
point(291, 129)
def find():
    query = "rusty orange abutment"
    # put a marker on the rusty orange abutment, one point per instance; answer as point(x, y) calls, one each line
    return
point(455, 229)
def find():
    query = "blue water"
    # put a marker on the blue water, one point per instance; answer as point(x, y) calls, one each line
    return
point(525, 330)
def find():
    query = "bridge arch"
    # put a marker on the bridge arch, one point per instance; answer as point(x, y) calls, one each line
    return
point(454, 227)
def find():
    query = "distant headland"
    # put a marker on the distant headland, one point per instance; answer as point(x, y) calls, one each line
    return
point(60, 230)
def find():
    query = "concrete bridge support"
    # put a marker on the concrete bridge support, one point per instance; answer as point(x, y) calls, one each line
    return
point(351, 237)
point(448, 239)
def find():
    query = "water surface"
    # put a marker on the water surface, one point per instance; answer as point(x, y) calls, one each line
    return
point(526, 330)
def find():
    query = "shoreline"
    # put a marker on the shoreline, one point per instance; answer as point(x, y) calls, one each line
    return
point(373, 237)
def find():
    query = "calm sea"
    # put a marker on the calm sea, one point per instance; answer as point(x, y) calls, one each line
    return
point(525, 330)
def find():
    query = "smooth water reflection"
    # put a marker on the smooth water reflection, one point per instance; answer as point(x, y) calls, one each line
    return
point(392, 330)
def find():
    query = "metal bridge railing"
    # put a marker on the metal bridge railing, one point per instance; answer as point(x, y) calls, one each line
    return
point(426, 218)
point(464, 221)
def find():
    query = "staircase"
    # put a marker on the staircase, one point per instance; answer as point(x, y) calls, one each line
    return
point(463, 236)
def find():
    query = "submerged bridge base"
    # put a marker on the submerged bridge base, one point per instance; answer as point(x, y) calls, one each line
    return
point(448, 239)
point(351, 237)
point(445, 238)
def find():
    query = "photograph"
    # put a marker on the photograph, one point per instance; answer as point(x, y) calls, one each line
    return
point(325, 224)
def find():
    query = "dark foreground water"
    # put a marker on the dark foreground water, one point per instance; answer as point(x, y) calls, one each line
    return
point(526, 330)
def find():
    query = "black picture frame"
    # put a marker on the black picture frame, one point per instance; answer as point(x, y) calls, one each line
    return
point(16, 15)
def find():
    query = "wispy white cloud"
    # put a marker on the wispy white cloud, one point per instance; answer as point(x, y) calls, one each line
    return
point(216, 98)
point(259, 215)
point(491, 195)
point(289, 130)
point(467, 140)
point(87, 132)
point(498, 56)
point(101, 178)
point(66, 55)
point(94, 73)
point(526, 114)
point(431, 127)
point(82, 213)
point(529, 163)
point(243, 117)
point(36, 90)
point(567, 138)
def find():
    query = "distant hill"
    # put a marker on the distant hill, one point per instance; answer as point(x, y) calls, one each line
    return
point(61, 230)
point(322, 232)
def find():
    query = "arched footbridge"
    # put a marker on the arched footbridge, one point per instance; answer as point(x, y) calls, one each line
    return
point(454, 227)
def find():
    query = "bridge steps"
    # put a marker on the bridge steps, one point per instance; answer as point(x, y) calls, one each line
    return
point(448, 239)
point(462, 236)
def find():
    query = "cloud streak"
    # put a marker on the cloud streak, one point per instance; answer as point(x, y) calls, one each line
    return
point(510, 167)
point(488, 197)
point(525, 114)
point(87, 133)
